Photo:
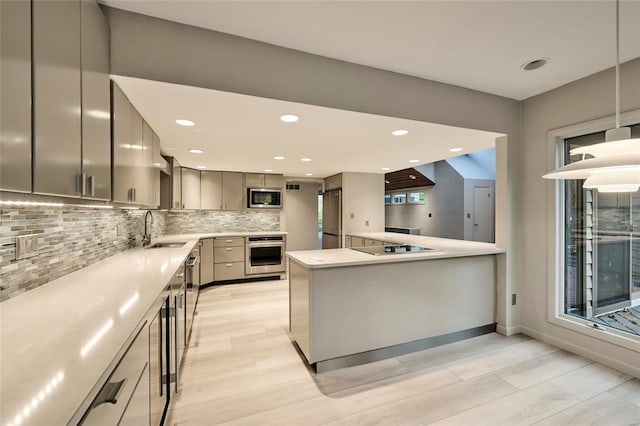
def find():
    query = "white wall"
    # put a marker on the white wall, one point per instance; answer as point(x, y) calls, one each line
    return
point(583, 100)
point(362, 202)
point(301, 215)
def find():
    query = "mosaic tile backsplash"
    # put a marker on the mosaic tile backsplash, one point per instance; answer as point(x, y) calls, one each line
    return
point(72, 238)
point(68, 239)
point(220, 221)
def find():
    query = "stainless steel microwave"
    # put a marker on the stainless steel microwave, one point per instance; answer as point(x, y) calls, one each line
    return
point(264, 198)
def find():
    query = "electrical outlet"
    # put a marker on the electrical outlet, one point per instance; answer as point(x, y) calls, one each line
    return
point(26, 246)
point(513, 299)
point(118, 230)
point(366, 223)
point(353, 215)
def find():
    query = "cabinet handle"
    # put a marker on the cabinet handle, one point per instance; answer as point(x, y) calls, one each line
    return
point(109, 393)
point(228, 249)
point(229, 265)
point(91, 181)
point(81, 184)
point(134, 194)
point(229, 241)
point(175, 349)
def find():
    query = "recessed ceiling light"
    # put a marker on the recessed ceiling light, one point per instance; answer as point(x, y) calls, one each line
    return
point(196, 151)
point(305, 159)
point(386, 181)
point(414, 161)
point(278, 157)
point(268, 170)
point(308, 174)
point(385, 169)
point(534, 64)
point(183, 122)
point(455, 150)
point(200, 167)
point(399, 132)
point(289, 118)
point(412, 177)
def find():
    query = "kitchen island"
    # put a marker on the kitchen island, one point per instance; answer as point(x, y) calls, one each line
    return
point(348, 307)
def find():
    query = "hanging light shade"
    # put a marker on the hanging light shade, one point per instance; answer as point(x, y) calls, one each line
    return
point(613, 165)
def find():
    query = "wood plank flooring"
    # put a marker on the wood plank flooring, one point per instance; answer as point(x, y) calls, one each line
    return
point(240, 368)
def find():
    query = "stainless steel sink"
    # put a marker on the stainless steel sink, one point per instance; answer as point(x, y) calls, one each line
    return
point(167, 245)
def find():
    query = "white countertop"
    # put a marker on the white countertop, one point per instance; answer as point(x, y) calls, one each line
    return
point(65, 334)
point(446, 248)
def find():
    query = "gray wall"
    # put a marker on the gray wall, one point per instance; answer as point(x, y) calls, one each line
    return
point(155, 49)
point(301, 215)
point(583, 100)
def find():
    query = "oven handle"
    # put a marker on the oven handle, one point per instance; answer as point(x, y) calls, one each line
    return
point(265, 243)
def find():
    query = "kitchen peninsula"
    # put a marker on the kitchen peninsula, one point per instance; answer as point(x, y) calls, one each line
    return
point(348, 307)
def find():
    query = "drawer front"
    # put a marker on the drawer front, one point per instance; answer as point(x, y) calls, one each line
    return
point(357, 242)
point(228, 254)
point(229, 271)
point(228, 242)
point(371, 243)
point(121, 384)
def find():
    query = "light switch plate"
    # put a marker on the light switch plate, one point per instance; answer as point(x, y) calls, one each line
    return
point(26, 246)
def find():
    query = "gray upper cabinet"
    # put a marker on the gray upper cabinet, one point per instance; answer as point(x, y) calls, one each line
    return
point(232, 191)
point(176, 187)
point(157, 164)
point(147, 187)
point(273, 181)
point(190, 188)
point(56, 97)
point(259, 180)
point(123, 156)
point(96, 126)
point(210, 190)
point(15, 96)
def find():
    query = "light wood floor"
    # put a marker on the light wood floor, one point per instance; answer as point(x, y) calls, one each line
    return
point(241, 368)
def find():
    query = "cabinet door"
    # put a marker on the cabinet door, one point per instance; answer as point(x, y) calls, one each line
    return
point(273, 181)
point(232, 191)
point(357, 242)
point(15, 96)
point(210, 190)
point(96, 103)
point(176, 187)
point(146, 184)
point(254, 180)
point(122, 158)
point(136, 182)
point(190, 188)
point(206, 261)
point(138, 409)
point(56, 97)
point(157, 163)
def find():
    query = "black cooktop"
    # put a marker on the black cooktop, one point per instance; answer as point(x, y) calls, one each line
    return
point(395, 249)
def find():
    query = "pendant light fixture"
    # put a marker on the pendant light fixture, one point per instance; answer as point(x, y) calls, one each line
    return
point(613, 165)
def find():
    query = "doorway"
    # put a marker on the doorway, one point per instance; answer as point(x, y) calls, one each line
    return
point(301, 215)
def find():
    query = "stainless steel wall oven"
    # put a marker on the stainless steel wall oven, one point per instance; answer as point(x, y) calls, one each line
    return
point(265, 255)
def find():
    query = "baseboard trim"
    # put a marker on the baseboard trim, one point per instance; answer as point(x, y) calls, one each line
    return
point(508, 331)
point(400, 349)
point(580, 350)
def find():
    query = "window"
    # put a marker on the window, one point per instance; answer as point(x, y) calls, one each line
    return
point(416, 197)
point(399, 198)
point(387, 199)
point(601, 250)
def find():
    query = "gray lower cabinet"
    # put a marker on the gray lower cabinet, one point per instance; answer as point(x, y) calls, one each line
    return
point(206, 261)
point(210, 190)
point(96, 105)
point(228, 258)
point(56, 97)
point(357, 241)
point(15, 96)
point(137, 412)
point(232, 191)
point(190, 188)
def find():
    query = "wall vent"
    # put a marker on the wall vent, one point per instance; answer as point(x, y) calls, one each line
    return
point(293, 187)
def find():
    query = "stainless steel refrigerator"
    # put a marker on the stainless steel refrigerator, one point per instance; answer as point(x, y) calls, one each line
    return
point(332, 219)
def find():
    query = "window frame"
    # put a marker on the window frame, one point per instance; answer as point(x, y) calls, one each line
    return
point(556, 226)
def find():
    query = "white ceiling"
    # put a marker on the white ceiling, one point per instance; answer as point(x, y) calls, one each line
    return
point(244, 133)
point(475, 44)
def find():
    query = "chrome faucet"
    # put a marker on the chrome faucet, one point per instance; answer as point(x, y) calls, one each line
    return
point(146, 238)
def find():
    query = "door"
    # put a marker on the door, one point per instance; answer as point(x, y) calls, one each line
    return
point(232, 191)
point(56, 97)
point(15, 96)
point(96, 103)
point(210, 190)
point(301, 215)
point(482, 218)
